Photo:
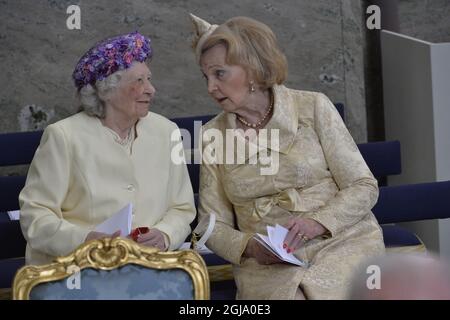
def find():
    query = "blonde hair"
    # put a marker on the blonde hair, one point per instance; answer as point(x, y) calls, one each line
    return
point(253, 46)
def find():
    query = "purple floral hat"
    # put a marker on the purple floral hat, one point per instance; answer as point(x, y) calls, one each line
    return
point(109, 56)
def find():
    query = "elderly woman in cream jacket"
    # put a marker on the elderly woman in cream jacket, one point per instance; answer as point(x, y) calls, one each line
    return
point(321, 189)
point(113, 152)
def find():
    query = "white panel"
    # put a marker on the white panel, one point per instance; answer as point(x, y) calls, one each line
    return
point(408, 105)
point(416, 87)
point(440, 60)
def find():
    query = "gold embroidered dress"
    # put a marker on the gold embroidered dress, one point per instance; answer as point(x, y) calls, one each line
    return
point(321, 176)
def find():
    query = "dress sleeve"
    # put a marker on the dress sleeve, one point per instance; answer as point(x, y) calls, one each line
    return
point(225, 240)
point(180, 207)
point(47, 184)
point(358, 189)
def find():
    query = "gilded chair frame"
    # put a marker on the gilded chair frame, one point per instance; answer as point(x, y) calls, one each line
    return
point(108, 254)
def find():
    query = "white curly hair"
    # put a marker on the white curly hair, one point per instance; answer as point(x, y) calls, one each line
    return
point(92, 98)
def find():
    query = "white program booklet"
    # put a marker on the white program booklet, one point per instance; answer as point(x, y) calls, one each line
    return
point(274, 243)
point(119, 221)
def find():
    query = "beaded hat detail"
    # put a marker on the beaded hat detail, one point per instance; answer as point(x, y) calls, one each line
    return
point(111, 55)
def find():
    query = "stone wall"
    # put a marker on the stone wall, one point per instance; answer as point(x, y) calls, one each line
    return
point(322, 40)
point(426, 20)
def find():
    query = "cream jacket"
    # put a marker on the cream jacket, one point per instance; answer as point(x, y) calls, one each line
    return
point(321, 176)
point(80, 176)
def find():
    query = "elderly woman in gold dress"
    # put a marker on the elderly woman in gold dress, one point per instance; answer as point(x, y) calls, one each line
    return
point(322, 190)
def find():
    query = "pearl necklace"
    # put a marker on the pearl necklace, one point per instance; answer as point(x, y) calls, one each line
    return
point(258, 124)
point(125, 141)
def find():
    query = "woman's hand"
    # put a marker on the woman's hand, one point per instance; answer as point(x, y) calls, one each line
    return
point(153, 238)
point(256, 250)
point(100, 235)
point(301, 230)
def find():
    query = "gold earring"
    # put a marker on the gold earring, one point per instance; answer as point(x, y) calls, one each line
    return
point(252, 88)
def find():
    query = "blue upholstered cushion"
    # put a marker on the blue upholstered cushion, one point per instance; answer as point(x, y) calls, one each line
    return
point(18, 147)
point(194, 175)
point(125, 283)
point(223, 290)
point(10, 187)
point(214, 260)
point(12, 249)
point(413, 202)
point(395, 236)
point(383, 158)
point(8, 268)
point(11, 238)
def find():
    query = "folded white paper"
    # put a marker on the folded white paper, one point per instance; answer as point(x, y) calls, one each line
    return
point(14, 215)
point(274, 243)
point(119, 221)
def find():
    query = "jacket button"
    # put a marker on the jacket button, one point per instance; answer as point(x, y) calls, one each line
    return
point(130, 188)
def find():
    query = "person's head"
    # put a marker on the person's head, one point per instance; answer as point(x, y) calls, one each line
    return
point(238, 58)
point(402, 277)
point(112, 77)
